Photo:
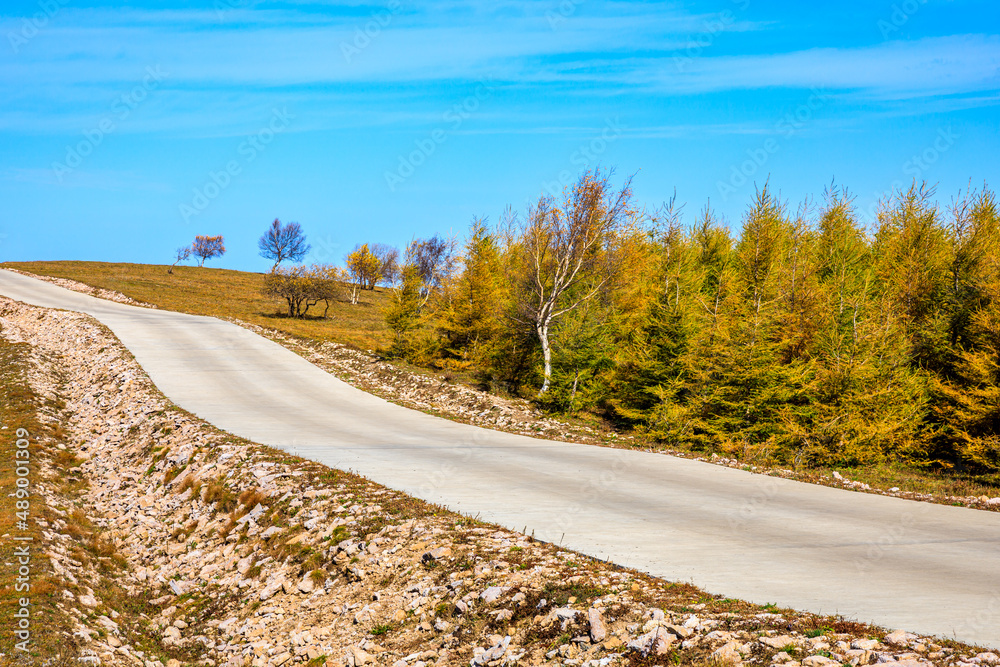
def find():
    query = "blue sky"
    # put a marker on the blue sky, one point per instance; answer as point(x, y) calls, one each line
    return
point(127, 129)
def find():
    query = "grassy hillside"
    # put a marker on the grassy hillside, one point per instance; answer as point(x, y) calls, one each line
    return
point(224, 293)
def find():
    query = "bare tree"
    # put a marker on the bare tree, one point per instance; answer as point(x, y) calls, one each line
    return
point(180, 255)
point(281, 242)
point(568, 254)
point(388, 257)
point(435, 261)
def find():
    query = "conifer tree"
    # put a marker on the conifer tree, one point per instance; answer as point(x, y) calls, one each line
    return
point(974, 236)
point(799, 312)
point(757, 256)
point(403, 313)
point(473, 315)
point(970, 405)
point(911, 257)
point(582, 350)
point(968, 400)
point(806, 340)
point(733, 382)
point(844, 269)
point(650, 345)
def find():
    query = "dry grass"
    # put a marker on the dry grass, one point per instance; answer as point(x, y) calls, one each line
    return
point(225, 293)
point(250, 498)
point(189, 483)
point(216, 491)
point(172, 474)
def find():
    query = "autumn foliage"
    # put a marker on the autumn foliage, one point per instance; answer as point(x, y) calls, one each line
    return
point(369, 265)
point(207, 247)
point(805, 337)
point(301, 288)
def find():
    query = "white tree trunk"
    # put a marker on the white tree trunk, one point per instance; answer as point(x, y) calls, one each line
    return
point(543, 337)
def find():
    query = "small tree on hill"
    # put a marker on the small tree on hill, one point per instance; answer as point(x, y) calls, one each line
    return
point(207, 247)
point(388, 258)
point(473, 316)
point(435, 260)
point(427, 271)
point(301, 287)
point(402, 315)
point(181, 255)
point(281, 242)
point(288, 283)
point(327, 284)
point(364, 268)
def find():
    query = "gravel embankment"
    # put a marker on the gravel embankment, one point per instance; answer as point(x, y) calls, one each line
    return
point(244, 555)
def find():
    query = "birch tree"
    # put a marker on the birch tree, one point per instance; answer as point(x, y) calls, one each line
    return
point(568, 253)
point(283, 242)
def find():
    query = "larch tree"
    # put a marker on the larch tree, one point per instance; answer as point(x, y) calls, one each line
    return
point(799, 308)
point(968, 400)
point(869, 403)
point(806, 340)
point(473, 315)
point(911, 248)
point(582, 350)
point(403, 313)
point(973, 237)
point(844, 267)
point(969, 406)
point(650, 345)
point(745, 374)
point(424, 280)
point(758, 254)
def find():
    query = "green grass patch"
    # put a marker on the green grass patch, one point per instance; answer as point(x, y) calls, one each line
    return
point(381, 629)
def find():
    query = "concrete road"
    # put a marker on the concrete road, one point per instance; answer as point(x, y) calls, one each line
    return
point(902, 564)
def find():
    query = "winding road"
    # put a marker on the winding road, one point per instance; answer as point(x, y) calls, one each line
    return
point(924, 568)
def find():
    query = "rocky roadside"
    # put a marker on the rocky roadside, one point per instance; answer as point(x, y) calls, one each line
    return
point(64, 562)
point(433, 395)
point(225, 552)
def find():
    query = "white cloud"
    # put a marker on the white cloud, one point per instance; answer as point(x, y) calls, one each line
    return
point(931, 66)
point(225, 74)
